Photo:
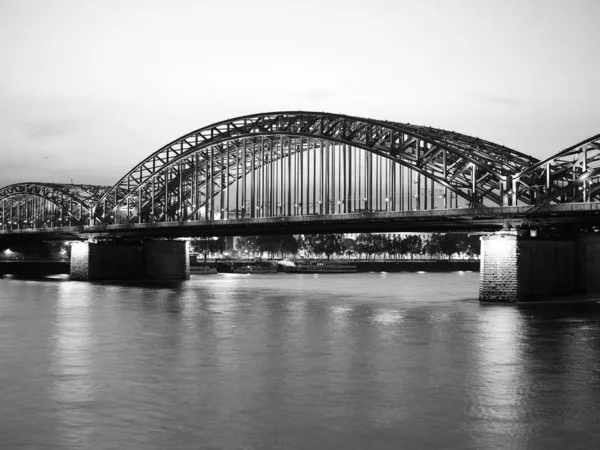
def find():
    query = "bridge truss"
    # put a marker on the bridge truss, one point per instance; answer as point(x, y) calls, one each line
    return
point(570, 176)
point(287, 164)
point(47, 205)
point(297, 163)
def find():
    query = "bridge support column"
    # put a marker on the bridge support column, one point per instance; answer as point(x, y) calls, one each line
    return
point(522, 268)
point(153, 260)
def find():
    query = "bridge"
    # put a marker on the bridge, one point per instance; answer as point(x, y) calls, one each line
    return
point(300, 172)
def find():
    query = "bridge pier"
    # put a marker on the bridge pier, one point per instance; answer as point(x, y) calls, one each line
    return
point(155, 260)
point(517, 268)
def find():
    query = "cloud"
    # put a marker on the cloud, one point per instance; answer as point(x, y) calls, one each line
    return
point(500, 100)
point(47, 128)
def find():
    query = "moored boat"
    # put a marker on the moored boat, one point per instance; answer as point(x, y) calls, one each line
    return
point(254, 267)
point(201, 269)
point(321, 267)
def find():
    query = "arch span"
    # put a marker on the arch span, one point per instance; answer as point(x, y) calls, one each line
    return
point(39, 205)
point(182, 178)
point(569, 176)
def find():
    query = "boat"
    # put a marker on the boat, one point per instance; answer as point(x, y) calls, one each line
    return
point(202, 269)
point(321, 267)
point(253, 267)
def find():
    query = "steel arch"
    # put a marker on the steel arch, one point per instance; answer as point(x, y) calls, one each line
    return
point(570, 176)
point(475, 169)
point(68, 202)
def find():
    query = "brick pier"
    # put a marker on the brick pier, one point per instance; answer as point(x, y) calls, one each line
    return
point(523, 268)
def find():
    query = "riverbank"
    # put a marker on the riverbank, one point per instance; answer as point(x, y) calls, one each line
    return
point(27, 268)
point(418, 266)
point(365, 266)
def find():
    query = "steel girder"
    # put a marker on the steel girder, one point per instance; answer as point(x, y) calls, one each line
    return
point(476, 170)
point(570, 176)
point(48, 203)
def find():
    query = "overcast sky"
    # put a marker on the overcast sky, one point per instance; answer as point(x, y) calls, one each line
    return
point(90, 88)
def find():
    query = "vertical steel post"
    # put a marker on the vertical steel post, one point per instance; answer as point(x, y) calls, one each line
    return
point(180, 191)
point(281, 177)
point(152, 204)
point(253, 182)
point(301, 184)
point(315, 174)
point(228, 164)
point(244, 179)
point(289, 178)
point(585, 182)
point(206, 186)
point(346, 180)
point(474, 183)
point(327, 196)
point(237, 181)
point(445, 168)
point(166, 196)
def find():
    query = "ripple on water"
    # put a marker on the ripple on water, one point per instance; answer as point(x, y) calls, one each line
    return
point(383, 360)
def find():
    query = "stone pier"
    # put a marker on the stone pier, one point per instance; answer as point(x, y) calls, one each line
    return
point(524, 268)
point(154, 260)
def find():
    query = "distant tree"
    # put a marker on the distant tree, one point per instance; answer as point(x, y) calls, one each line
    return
point(272, 245)
point(327, 244)
point(288, 245)
point(349, 247)
point(381, 244)
point(435, 244)
point(462, 243)
point(363, 244)
point(474, 243)
point(448, 245)
point(247, 244)
point(396, 246)
point(411, 245)
point(268, 244)
point(207, 245)
point(452, 243)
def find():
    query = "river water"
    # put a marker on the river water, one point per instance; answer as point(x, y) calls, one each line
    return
point(361, 361)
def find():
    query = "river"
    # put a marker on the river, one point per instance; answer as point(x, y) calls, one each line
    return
point(360, 361)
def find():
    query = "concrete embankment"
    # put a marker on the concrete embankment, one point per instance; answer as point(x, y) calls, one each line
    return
point(405, 265)
point(33, 269)
point(417, 266)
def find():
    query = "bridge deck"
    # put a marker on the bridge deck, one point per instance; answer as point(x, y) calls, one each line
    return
point(565, 216)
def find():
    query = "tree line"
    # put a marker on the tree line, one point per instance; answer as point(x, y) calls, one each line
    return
point(365, 245)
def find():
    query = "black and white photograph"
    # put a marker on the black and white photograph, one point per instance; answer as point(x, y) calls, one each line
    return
point(299, 225)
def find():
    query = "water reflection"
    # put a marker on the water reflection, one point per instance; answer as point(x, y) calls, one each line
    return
point(360, 361)
point(495, 407)
point(74, 386)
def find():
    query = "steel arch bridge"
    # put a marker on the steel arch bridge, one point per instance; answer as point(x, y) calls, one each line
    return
point(47, 205)
point(286, 164)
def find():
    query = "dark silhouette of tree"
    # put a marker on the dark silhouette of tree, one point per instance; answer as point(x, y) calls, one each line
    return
point(349, 246)
point(395, 246)
point(453, 243)
point(327, 244)
point(474, 244)
point(380, 244)
point(272, 245)
point(363, 243)
point(247, 244)
point(462, 244)
point(207, 245)
point(411, 244)
point(435, 244)
point(288, 245)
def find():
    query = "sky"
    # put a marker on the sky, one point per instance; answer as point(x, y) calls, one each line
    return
point(89, 88)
